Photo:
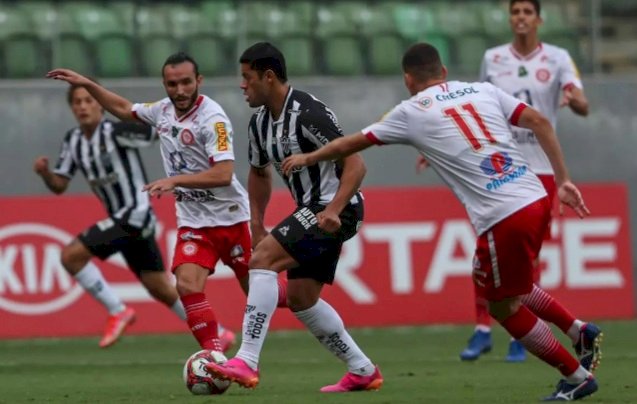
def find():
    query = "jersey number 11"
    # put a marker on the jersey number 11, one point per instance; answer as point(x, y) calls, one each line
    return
point(453, 113)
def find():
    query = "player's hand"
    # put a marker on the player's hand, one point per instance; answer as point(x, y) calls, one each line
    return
point(421, 164)
point(160, 187)
point(41, 165)
point(69, 76)
point(567, 96)
point(328, 220)
point(570, 196)
point(258, 233)
point(294, 162)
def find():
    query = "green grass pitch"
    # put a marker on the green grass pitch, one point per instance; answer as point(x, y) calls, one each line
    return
point(420, 365)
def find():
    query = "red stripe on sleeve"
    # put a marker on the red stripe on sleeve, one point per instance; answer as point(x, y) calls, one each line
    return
point(372, 138)
point(516, 114)
point(568, 86)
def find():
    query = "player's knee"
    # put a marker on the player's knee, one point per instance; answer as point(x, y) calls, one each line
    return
point(187, 285)
point(260, 259)
point(72, 259)
point(501, 310)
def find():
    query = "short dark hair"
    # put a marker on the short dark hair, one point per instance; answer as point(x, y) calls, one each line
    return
point(177, 58)
point(73, 87)
point(536, 4)
point(422, 61)
point(264, 56)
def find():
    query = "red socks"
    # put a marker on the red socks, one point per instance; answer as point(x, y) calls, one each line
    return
point(483, 318)
point(537, 338)
point(201, 320)
point(548, 309)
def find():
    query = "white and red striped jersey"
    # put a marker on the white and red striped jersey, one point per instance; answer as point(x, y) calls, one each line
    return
point(462, 129)
point(193, 143)
point(538, 80)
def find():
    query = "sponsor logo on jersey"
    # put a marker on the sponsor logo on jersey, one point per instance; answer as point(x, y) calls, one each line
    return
point(425, 103)
point(499, 165)
point(456, 94)
point(174, 131)
point(187, 137)
point(522, 72)
point(543, 75)
point(194, 196)
point(222, 136)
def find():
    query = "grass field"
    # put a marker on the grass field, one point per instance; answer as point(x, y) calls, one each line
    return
point(420, 364)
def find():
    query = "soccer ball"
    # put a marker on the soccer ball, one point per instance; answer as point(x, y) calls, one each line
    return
point(197, 378)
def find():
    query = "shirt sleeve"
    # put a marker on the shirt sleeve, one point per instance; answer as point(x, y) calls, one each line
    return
point(320, 125)
point(65, 165)
point(569, 75)
point(134, 135)
point(218, 138)
point(483, 69)
point(256, 153)
point(148, 112)
point(392, 129)
point(510, 106)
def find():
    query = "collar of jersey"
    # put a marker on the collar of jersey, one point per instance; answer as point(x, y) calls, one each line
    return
point(192, 110)
point(530, 56)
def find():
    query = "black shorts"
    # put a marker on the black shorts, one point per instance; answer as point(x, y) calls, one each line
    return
point(110, 236)
point(315, 250)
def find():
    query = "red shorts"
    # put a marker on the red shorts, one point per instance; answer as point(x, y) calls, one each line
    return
point(503, 265)
point(548, 180)
point(205, 246)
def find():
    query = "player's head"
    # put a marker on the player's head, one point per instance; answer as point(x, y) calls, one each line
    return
point(181, 78)
point(87, 111)
point(262, 69)
point(524, 16)
point(421, 66)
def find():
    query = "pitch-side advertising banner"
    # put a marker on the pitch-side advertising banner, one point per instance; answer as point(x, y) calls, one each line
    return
point(409, 264)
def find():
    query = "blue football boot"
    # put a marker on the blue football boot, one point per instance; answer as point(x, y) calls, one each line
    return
point(572, 392)
point(479, 343)
point(516, 353)
point(588, 348)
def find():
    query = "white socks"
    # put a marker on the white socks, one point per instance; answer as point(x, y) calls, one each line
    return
point(327, 326)
point(178, 309)
point(91, 279)
point(262, 301)
point(578, 376)
point(573, 331)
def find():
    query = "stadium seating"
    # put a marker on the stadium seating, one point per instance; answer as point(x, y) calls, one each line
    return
point(120, 38)
point(339, 43)
point(21, 47)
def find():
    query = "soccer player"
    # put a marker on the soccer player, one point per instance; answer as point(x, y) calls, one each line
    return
point(308, 242)
point(462, 129)
point(545, 77)
point(106, 153)
point(212, 207)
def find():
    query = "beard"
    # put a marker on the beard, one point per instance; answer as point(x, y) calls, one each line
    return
point(192, 100)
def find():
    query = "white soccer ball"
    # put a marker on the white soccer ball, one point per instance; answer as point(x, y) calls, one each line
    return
point(197, 378)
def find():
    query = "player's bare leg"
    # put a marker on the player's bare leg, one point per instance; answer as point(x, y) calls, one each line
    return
point(76, 259)
point(160, 288)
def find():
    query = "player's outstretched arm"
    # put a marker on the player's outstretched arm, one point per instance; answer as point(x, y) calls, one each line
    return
point(576, 100)
point(567, 192)
point(219, 175)
point(113, 103)
point(334, 150)
point(56, 183)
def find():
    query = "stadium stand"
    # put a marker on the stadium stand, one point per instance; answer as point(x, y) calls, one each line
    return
point(122, 38)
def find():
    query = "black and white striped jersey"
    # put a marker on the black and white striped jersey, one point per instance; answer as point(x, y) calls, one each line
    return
point(111, 163)
point(305, 124)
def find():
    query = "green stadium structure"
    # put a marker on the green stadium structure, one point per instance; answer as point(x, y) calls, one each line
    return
point(126, 38)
